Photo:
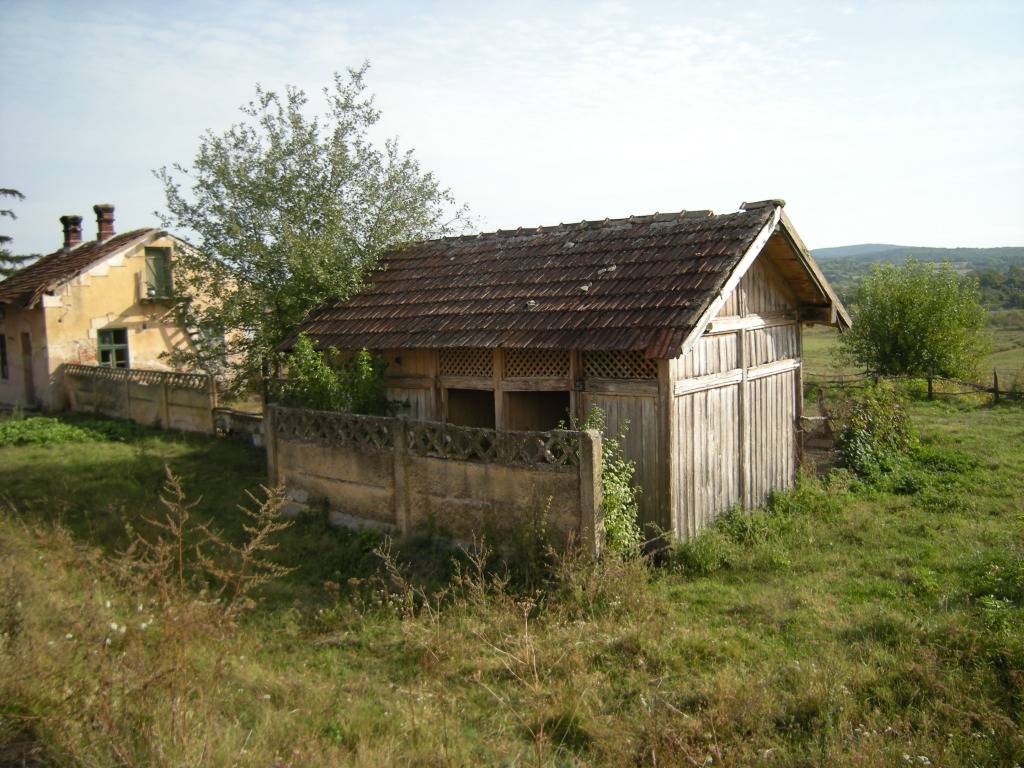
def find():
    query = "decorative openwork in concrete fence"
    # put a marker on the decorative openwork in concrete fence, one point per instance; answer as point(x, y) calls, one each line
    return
point(197, 381)
point(558, 450)
point(331, 428)
point(372, 470)
point(169, 399)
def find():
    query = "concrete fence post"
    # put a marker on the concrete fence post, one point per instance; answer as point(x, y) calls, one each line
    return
point(165, 405)
point(591, 495)
point(212, 382)
point(270, 443)
point(400, 461)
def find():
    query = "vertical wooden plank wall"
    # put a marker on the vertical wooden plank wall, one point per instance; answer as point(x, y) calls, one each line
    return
point(410, 378)
point(735, 407)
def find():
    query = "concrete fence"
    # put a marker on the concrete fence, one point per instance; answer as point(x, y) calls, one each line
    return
point(171, 400)
point(400, 474)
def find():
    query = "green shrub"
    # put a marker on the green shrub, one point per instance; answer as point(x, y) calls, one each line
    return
point(907, 480)
point(47, 430)
point(810, 496)
point(934, 458)
point(875, 432)
point(621, 527)
point(747, 528)
point(706, 553)
point(1001, 577)
point(331, 381)
point(943, 501)
point(756, 539)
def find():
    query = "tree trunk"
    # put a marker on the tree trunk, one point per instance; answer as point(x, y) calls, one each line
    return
point(265, 382)
point(931, 391)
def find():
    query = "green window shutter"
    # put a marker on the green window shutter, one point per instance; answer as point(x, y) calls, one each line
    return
point(158, 273)
point(164, 273)
point(150, 289)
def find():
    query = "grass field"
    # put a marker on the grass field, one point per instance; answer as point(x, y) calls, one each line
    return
point(848, 625)
point(1006, 356)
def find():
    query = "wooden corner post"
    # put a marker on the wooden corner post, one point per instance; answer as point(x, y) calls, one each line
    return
point(668, 447)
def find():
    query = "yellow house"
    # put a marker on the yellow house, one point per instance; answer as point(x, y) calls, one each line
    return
point(108, 301)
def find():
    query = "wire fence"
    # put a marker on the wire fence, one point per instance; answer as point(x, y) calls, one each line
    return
point(1001, 387)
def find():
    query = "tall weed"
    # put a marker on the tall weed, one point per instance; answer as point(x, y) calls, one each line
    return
point(131, 663)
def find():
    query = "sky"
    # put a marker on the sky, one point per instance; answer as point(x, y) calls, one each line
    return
point(885, 122)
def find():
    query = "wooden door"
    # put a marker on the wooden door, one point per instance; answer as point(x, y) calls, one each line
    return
point(26, 363)
point(635, 419)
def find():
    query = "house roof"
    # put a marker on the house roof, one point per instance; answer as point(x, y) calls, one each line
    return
point(639, 283)
point(27, 285)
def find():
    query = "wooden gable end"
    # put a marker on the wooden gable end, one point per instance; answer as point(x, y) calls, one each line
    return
point(756, 324)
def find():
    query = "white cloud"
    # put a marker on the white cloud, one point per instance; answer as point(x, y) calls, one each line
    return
point(873, 125)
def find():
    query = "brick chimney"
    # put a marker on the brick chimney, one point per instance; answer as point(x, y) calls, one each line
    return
point(104, 221)
point(72, 231)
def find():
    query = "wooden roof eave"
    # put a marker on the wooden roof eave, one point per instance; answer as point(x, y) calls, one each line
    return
point(837, 313)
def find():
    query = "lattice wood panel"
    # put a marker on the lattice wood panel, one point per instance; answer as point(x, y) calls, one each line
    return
point(467, 362)
point(536, 363)
point(619, 365)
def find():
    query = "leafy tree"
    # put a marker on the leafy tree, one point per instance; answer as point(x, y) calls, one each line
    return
point(333, 381)
point(1002, 289)
point(9, 263)
point(288, 210)
point(916, 319)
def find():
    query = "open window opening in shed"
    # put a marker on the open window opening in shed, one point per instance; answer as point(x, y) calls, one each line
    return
point(471, 407)
point(540, 411)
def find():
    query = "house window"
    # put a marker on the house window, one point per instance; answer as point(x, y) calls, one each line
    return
point(114, 348)
point(158, 273)
point(3, 356)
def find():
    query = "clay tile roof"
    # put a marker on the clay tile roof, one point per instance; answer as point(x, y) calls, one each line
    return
point(638, 283)
point(27, 285)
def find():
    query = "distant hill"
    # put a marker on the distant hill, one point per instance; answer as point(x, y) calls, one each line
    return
point(844, 264)
point(852, 250)
point(976, 258)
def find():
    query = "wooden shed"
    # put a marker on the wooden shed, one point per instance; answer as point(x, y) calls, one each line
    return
point(684, 328)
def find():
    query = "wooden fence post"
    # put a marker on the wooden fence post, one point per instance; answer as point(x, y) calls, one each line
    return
point(591, 495)
point(995, 386)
